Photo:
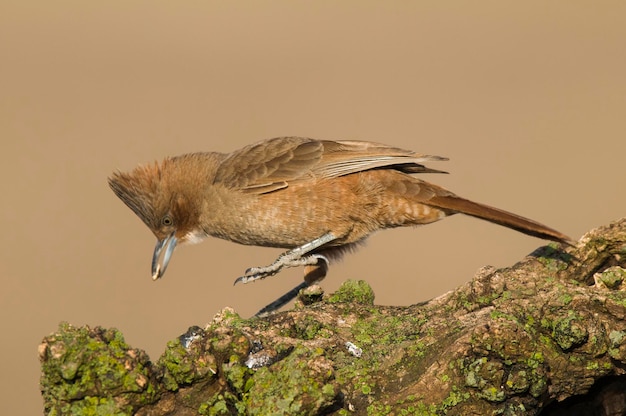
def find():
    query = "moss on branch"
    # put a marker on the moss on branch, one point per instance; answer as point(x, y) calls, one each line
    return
point(535, 336)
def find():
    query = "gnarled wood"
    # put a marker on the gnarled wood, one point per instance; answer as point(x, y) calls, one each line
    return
point(539, 335)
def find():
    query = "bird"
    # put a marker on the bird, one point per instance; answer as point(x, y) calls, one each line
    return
point(317, 199)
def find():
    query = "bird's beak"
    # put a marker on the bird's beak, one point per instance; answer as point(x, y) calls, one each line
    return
point(158, 265)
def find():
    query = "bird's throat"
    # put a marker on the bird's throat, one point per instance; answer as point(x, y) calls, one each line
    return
point(194, 237)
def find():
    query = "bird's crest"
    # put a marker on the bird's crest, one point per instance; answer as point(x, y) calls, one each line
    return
point(139, 190)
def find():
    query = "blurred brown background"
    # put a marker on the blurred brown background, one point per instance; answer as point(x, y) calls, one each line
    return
point(528, 99)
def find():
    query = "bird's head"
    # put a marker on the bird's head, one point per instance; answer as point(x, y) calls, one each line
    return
point(167, 199)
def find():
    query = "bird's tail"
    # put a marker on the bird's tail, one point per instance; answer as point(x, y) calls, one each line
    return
point(508, 219)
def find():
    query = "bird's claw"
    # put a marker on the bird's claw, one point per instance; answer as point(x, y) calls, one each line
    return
point(257, 273)
point(254, 273)
point(291, 258)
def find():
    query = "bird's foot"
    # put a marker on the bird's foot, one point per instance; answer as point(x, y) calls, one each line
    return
point(284, 261)
point(291, 258)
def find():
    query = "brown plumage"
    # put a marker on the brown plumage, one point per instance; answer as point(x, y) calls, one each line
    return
point(315, 197)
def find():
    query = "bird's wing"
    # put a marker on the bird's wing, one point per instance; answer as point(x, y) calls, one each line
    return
point(346, 156)
point(269, 165)
point(273, 164)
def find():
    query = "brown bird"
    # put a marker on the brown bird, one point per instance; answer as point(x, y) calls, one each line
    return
point(317, 198)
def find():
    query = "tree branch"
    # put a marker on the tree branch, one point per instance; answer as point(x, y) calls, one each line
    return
point(517, 340)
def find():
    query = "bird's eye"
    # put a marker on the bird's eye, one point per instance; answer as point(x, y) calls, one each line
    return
point(167, 221)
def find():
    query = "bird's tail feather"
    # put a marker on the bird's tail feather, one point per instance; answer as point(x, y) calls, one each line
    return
point(498, 216)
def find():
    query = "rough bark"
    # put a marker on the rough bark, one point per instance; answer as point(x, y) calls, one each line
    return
point(547, 335)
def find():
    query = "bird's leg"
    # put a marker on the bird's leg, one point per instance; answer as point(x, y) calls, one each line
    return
point(281, 301)
point(292, 258)
point(312, 274)
point(316, 272)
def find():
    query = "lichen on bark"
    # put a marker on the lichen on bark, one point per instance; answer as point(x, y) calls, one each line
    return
point(533, 337)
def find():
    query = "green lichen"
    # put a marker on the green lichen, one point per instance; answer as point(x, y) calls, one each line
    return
point(454, 398)
point(486, 376)
point(226, 404)
point(472, 302)
point(569, 332)
point(93, 406)
point(617, 338)
point(187, 360)
point(184, 366)
point(379, 409)
point(227, 342)
point(566, 298)
point(492, 394)
point(496, 314)
point(553, 258)
point(535, 360)
point(613, 277)
point(238, 376)
point(538, 386)
point(217, 406)
point(374, 332)
point(592, 365)
point(518, 380)
point(353, 291)
point(355, 373)
point(300, 384)
point(383, 328)
point(307, 328)
point(84, 368)
point(488, 299)
point(413, 405)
